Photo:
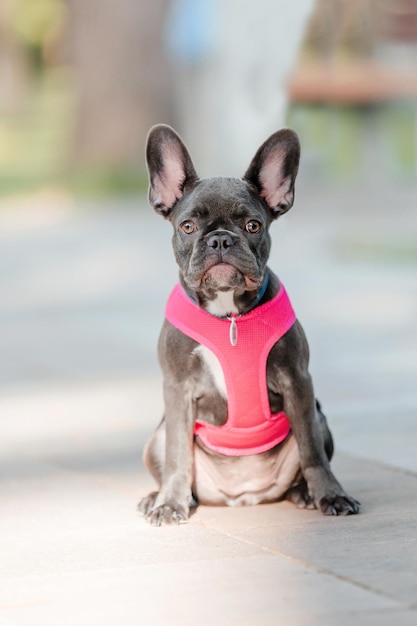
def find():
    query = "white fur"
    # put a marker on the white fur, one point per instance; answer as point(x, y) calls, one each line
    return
point(213, 365)
point(223, 304)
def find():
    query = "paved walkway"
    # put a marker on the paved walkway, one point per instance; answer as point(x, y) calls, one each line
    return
point(82, 296)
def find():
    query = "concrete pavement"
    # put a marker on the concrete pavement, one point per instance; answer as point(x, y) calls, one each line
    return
point(80, 312)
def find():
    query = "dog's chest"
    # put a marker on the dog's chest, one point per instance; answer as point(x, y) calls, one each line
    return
point(223, 304)
point(212, 367)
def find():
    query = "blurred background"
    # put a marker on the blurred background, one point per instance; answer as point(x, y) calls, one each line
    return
point(81, 82)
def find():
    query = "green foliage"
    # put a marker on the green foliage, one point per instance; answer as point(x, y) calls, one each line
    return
point(35, 146)
point(105, 182)
point(34, 139)
point(37, 21)
point(349, 143)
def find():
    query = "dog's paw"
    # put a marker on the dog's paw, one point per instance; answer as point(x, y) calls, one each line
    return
point(167, 513)
point(146, 505)
point(338, 505)
point(328, 494)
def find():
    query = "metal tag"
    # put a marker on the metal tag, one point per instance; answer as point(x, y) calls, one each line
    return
point(233, 331)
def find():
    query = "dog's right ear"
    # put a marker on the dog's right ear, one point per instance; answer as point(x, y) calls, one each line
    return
point(171, 171)
point(273, 170)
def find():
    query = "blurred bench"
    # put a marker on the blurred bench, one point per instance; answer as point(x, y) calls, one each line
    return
point(351, 83)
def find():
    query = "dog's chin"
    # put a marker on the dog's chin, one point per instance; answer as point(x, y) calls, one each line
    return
point(224, 277)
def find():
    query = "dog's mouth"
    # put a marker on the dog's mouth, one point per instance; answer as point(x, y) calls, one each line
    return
point(223, 277)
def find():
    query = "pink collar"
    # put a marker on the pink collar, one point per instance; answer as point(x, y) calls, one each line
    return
point(250, 427)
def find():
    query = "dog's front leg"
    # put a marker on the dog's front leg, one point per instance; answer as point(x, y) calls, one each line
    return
point(300, 406)
point(172, 503)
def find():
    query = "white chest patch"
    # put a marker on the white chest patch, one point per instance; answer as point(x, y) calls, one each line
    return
point(223, 304)
point(213, 365)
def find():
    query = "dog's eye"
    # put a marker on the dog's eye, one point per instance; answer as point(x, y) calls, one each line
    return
point(188, 227)
point(253, 227)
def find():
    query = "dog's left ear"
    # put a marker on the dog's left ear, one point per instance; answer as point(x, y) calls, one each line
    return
point(273, 170)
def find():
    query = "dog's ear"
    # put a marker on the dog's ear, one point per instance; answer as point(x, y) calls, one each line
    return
point(170, 168)
point(273, 170)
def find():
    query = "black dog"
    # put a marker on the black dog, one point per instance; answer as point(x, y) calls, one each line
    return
point(238, 428)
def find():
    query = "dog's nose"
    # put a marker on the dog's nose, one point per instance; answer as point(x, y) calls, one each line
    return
point(220, 241)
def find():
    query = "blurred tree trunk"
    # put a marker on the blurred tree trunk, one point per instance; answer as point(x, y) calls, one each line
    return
point(121, 77)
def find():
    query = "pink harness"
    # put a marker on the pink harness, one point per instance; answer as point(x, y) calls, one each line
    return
point(250, 426)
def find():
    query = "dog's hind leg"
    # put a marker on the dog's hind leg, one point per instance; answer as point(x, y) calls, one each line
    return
point(325, 431)
point(154, 460)
point(298, 493)
point(154, 453)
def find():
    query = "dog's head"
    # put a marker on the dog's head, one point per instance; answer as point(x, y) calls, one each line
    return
point(221, 240)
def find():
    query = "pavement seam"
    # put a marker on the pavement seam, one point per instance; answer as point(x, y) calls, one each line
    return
point(316, 568)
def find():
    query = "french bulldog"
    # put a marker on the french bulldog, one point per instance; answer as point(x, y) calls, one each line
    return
point(241, 425)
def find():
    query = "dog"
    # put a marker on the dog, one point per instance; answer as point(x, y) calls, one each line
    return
point(241, 425)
